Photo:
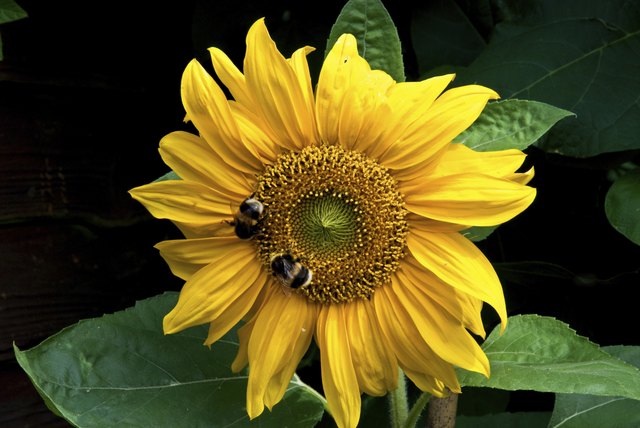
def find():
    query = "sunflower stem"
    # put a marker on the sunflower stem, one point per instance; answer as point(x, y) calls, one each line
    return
point(398, 404)
point(442, 412)
point(416, 410)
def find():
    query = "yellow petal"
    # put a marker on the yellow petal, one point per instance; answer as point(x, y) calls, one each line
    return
point(426, 382)
point(265, 147)
point(277, 91)
point(298, 63)
point(470, 199)
point(413, 353)
point(242, 357)
point(415, 220)
point(236, 310)
point(184, 201)
point(453, 112)
point(521, 177)
point(208, 109)
point(460, 305)
point(340, 69)
point(459, 159)
point(231, 77)
point(187, 256)
point(364, 113)
point(338, 373)
point(192, 159)
point(280, 336)
point(445, 334)
point(374, 363)
point(213, 289)
point(458, 262)
point(408, 102)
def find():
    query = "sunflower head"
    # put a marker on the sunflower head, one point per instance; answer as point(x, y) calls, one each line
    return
point(362, 197)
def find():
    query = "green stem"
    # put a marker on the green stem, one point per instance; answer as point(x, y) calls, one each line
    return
point(416, 410)
point(398, 404)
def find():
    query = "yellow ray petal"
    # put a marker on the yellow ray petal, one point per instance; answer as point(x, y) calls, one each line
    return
point(426, 383)
point(192, 159)
point(265, 147)
point(521, 177)
point(453, 112)
point(208, 109)
point(280, 336)
point(231, 77)
point(277, 91)
point(460, 305)
point(445, 334)
point(413, 353)
point(341, 67)
point(242, 357)
point(338, 374)
point(459, 159)
point(415, 220)
point(364, 113)
point(213, 289)
point(186, 256)
point(373, 361)
point(197, 231)
point(458, 262)
point(471, 199)
point(236, 310)
point(298, 63)
point(184, 201)
point(408, 102)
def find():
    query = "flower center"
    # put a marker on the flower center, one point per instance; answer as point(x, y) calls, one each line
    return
point(336, 212)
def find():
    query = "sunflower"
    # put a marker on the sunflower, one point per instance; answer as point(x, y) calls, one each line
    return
point(362, 197)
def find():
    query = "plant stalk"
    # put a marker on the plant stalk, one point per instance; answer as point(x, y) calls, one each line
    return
point(442, 412)
point(398, 404)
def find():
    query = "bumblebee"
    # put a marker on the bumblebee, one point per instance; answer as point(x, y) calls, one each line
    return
point(246, 219)
point(290, 272)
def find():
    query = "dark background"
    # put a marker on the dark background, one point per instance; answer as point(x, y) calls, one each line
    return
point(87, 89)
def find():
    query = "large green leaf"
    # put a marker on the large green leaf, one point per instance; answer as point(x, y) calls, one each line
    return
point(622, 205)
point(120, 370)
point(10, 11)
point(584, 65)
point(511, 124)
point(543, 354)
point(377, 36)
point(429, 21)
point(589, 411)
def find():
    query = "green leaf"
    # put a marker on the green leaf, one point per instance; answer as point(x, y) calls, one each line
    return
point(377, 36)
point(511, 124)
point(168, 176)
point(543, 354)
point(504, 420)
point(120, 370)
point(589, 411)
point(584, 65)
point(429, 22)
point(10, 11)
point(622, 205)
point(478, 233)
